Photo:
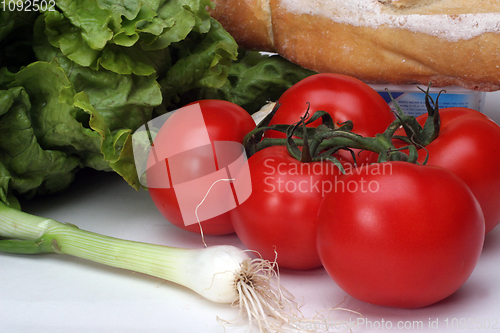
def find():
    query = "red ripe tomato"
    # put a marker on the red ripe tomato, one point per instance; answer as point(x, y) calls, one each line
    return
point(343, 97)
point(280, 214)
point(469, 145)
point(223, 121)
point(400, 234)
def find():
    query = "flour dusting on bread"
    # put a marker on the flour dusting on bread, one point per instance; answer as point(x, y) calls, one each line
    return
point(424, 16)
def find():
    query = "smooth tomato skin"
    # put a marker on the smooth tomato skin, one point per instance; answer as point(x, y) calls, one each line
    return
point(469, 145)
point(224, 121)
point(343, 97)
point(280, 214)
point(412, 242)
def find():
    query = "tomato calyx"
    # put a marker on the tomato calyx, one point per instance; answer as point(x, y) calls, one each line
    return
point(415, 133)
point(312, 144)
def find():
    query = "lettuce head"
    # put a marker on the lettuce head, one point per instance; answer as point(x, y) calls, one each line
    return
point(77, 79)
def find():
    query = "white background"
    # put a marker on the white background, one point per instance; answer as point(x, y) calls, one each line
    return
point(55, 293)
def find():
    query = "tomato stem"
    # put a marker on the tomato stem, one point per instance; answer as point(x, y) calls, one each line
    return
point(309, 144)
point(416, 134)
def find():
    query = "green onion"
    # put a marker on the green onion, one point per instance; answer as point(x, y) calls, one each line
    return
point(222, 274)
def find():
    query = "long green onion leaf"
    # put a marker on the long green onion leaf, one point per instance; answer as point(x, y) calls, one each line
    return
point(222, 274)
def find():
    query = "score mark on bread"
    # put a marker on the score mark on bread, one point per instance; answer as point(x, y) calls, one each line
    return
point(407, 3)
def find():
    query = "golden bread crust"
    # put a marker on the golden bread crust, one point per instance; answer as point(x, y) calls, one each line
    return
point(395, 44)
point(249, 22)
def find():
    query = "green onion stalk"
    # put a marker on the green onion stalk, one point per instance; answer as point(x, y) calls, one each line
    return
point(222, 274)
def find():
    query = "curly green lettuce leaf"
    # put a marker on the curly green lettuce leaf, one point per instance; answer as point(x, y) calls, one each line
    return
point(121, 36)
point(256, 79)
point(85, 115)
point(252, 81)
point(126, 101)
point(203, 61)
point(118, 105)
point(26, 166)
point(87, 18)
point(68, 38)
point(115, 105)
point(116, 148)
point(52, 115)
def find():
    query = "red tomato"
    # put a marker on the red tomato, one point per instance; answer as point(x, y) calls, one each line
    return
point(400, 234)
point(469, 145)
point(224, 121)
point(343, 97)
point(280, 214)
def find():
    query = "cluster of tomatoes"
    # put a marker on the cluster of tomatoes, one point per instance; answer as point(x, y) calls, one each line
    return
point(393, 233)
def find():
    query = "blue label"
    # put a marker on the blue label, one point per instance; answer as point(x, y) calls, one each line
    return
point(413, 103)
point(385, 95)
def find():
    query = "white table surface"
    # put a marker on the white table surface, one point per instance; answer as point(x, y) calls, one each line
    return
point(55, 293)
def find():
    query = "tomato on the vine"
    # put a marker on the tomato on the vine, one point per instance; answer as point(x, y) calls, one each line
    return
point(343, 97)
point(400, 234)
point(279, 217)
point(468, 144)
point(196, 158)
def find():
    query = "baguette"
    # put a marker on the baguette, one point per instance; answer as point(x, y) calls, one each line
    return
point(443, 42)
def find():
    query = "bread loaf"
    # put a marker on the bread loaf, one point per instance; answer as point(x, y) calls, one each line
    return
point(446, 42)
